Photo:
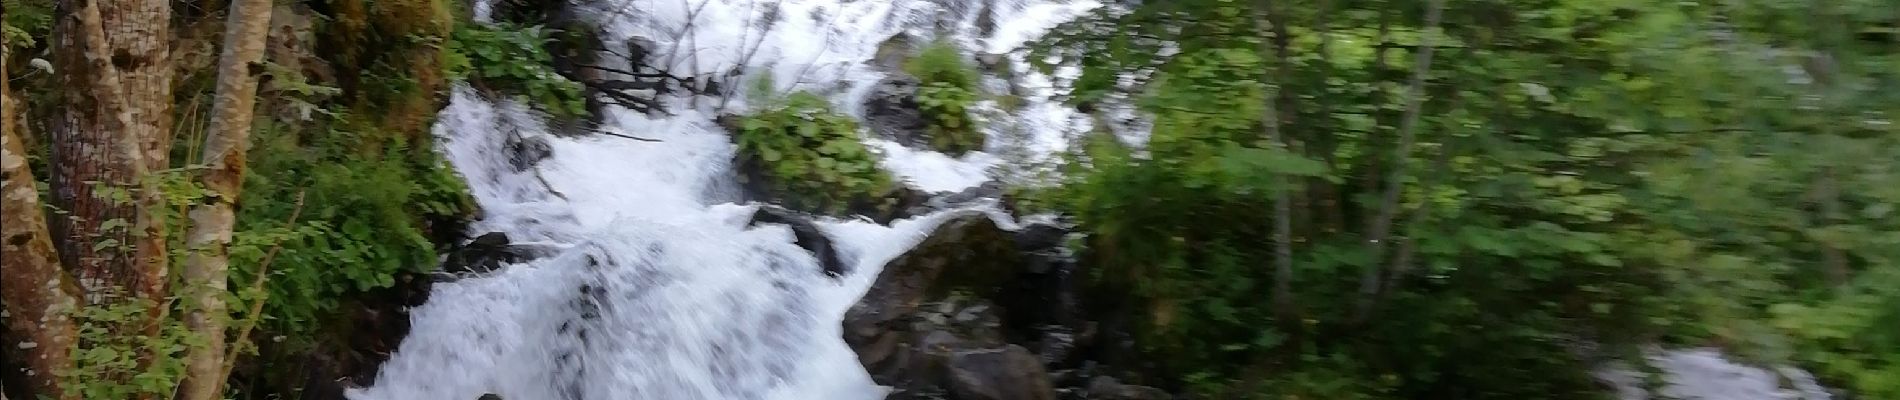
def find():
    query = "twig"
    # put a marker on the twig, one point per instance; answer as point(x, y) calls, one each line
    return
point(257, 285)
point(626, 136)
point(1380, 231)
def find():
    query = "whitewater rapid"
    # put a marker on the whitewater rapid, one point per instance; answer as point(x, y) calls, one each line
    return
point(656, 288)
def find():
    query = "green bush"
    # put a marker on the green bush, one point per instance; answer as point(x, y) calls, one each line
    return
point(810, 154)
point(514, 59)
point(947, 89)
point(369, 207)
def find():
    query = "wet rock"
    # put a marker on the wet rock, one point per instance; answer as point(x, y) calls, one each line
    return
point(965, 197)
point(483, 254)
point(891, 111)
point(1057, 343)
point(806, 234)
point(893, 52)
point(1038, 236)
point(350, 352)
point(960, 314)
point(994, 63)
point(525, 153)
point(1107, 388)
point(966, 253)
point(1007, 373)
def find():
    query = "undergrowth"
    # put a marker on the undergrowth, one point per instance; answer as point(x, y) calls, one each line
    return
point(810, 153)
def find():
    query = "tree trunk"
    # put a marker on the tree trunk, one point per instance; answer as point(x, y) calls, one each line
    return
point(37, 298)
point(105, 141)
point(139, 32)
point(1285, 309)
point(1379, 232)
point(207, 267)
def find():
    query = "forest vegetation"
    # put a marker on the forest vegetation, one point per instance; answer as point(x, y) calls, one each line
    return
point(1339, 199)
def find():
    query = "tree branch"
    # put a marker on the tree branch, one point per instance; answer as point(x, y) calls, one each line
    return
point(1388, 206)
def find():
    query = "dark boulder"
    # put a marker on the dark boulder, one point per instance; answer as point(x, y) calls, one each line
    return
point(1006, 373)
point(484, 254)
point(1107, 388)
point(351, 350)
point(893, 52)
point(526, 152)
point(892, 112)
point(805, 234)
point(966, 253)
point(960, 316)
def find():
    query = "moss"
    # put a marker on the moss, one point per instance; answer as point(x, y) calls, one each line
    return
point(389, 55)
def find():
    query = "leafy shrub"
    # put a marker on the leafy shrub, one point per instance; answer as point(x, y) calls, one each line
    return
point(110, 363)
point(810, 154)
point(26, 21)
point(514, 59)
point(947, 89)
point(1853, 337)
point(369, 205)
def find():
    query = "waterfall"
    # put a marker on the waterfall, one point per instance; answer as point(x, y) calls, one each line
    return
point(656, 288)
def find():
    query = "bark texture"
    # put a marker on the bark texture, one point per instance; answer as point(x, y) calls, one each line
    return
point(37, 297)
point(107, 138)
point(207, 267)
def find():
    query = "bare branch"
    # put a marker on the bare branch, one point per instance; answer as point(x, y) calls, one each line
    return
point(1381, 227)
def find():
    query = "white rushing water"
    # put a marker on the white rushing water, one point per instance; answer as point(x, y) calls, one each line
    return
point(1705, 374)
point(657, 288)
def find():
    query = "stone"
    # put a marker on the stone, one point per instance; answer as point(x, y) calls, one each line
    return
point(893, 52)
point(526, 152)
point(481, 255)
point(805, 234)
point(983, 255)
point(892, 112)
point(1007, 373)
point(1038, 236)
point(1107, 388)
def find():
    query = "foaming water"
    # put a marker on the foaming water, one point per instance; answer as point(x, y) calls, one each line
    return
point(657, 288)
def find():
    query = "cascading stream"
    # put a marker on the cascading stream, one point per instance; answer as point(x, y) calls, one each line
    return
point(657, 288)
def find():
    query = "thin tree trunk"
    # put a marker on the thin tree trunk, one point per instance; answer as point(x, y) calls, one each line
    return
point(1402, 263)
point(1326, 141)
point(1381, 228)
point(37, 298)
point(207, 267)
point(1833, 259)
point(1369, 182)
point(1285, 308)
point(139, 35)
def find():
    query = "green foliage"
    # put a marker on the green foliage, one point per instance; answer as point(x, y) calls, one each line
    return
point(941, 62)
point(514, 59)
point(26, 23)
point(947, 89)
point(365, 217)
point(1602, 171)
point(810, 154)
point(126, 351)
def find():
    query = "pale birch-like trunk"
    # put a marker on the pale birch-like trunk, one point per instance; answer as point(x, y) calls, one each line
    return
point(207, 267)
point(37, 297)
point(139, 34)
